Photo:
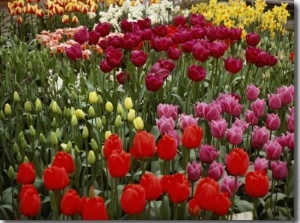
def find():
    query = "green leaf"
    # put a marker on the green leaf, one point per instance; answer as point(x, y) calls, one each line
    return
point(165, 210)
point(155, 131)
point(243, 205)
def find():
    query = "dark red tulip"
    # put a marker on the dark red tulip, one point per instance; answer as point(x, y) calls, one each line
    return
point(74, 52)
point(153, 82)
point(252, 39)
point(122, 77)
point(179, 20)
point(138, 58)
point(105, 67)
point(103, 29)
point(200, 52)
point(160, 30)
point(197, 19)
point(217, 49)
point(144, 23)
point(235, 34)
point(196, 73)
point(114, 57)
point(94, 37)
point(233, 65)
point(82, 36)
point(126, 26)
point(174, 53)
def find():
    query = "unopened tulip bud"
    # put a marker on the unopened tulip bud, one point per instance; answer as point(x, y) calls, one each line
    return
point(29, 118)
point(131, 115)
point(109, 106)
point(93, 97)
point(7, 109)
point(279, 64)
point(85, 132)
point(118, 121)
point(128, 103)
point(107, 134)
point(19, 158)
point(31, 131)
point(16, 148)
point(120, 109)
point(38, 105)
point(55, 108)
point(103, 119)
point(54, 123)
point(91, 112)
point(74, 96)
point(138, 123)
point(124, 117)
point(98, 123)
point(11, 173)
point(2, 116)
point(42, 139)
point(91, 157)
point(26, 160)
point(16, 97)
point(23, 143)
point(54, 140)
point(64, 146)
point(79, 114)
point(100, 100)
point(77, 151)
point(27, 107)
point(94, 144)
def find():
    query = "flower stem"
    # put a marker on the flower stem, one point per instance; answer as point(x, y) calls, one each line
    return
point(175, 211)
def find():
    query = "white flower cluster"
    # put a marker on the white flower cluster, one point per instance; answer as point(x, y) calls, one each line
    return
point(157, 12)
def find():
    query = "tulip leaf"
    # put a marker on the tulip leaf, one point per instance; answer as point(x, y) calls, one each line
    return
point(4, 209)
point(165, 210)
point(155, 131)
point(243, 205)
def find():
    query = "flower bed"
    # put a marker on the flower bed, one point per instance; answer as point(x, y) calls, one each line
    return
point(145, 118)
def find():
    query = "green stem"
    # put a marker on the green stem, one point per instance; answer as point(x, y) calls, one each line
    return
point(176, 207)
point(233, 196)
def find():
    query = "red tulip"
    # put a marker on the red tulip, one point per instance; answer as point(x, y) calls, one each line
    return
point(65, 160)
point(237, 162)
point(105, 67)
point(55, 178)
point(144, 23)
point(112, 143)
point(74, 52)
point(193, 207)
point(200, 52)
point(206, 193)
point(178, 188)
point(122, 77)
point(133, 199)
point(138, 58)
point(196, 73)
point(94, 209)
point(30, 202)
point(70, 203)
point(256, 183)
point(82, 36)
point(143, 145)
point(103, 29)
point(153, 82)
point(223, 204)
point(167, 147)
point(26, 173)
point(126, 26)
point(252, 39)
point(114, 57)
point(174, 53)
point(192, 136)
point(94, 37)
point(152, 186)
point(118, 163)
point(233, 65)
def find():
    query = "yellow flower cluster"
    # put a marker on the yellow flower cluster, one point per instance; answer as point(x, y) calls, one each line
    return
point(236, 13)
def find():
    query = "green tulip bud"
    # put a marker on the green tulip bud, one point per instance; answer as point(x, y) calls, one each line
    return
point(279, 64)
point(91, 157)
point(98, 123)
point(11, 173)
point(16, 97)
point(54, 123)
point(42, 139)
point(94, 144)
point(74, 96)
point(93, 97)
point(31, 131)
point(109, 106)
point(26, 160)
point(138, 123)
point(91, 112)
point(124, 117)
point(85, 132)
point(103, 119)
point(64, 146)
point(74, 120)
point(2, 116)
point(100, 100)
point(16, 148)
point(79, 114)
point(118, 121)
point(54, 140)
point(19, 158)
point(29, 119)
point(128, 103)
point(38, 105)
point(27, 106)
point(23, 143)
point(131, 115)
point(7, 109)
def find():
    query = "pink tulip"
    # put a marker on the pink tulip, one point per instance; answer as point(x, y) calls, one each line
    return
point(274, 101)
point(227, 185)
point(199, 109)
point(260, 137)
point(186, 120)
point(272, 121)
point(193, 171)
point(216, 170)
point(212, 112)
point(251, 118)
point(286, 95)
point(240, 123)
point(273, 150)
point(289, 138)
point(279, 169)
point(261, 164)
point(252, 92)
point(290, 120)
point(258, 107)
point(234, 135)
point(207, 153)
point(167, 110)
point(218, 128)
point(165, 124)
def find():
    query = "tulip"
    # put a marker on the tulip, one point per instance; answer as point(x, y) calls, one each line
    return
point(165, 124)
point(70, 203)
point(217, 49)
point(114, 57)
point(237, 162)
point(174, 53)
point(118, 163)
point(94, 209)
point(251, 54)
point(223, 204)
point(286, 95)
point(153, 82)
point(193, 207)
point(199, 109)
point(279, 169)
point(167, 110)
point(128, 42)
point(207, 153)
point(144, 23)
point(260, 137)
point(196, 73)
point(215, 170)
point(186, 120)
point(228, 185)
point(55, 178)
point(252, 92)
point(138, 58)
point(251, 118)
point(200, 52)
point(138, 123)
point(133, 199)
point(234, 135)
point(103, 28)
point(212, 112)
point(179, 188)
point(143, 145)
point(197, 19)
point(272, 121)
point(81, 36)
point(274, 101)
point(289, 138)
point(152, 186)
point(160, 30)
point(26, 174)
point(252, 180)
point(175, 135)
point(167, 147)
point(30, 202)
point(93, 97)
point(261, 164)
point(74, 52)
point(252, 39)
point(258, 107)
point(64, 160)
point(122, 77)
point(94, 37)
point(192, 136)
point(109, 107)
point(193, 171)
point(112, 143)
point(126, 26)
point(273, 150)
point(233, 65)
